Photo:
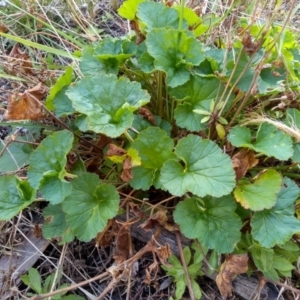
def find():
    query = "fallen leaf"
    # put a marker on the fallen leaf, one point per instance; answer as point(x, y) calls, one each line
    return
point(234, 264)
point(250, 47)
point(27, 105)
point(147, 114)
point(159, 218)
point(19, 62)
point(115, 150)
point(3, 28)
point(242, 162)
point(151, 273)
point(163, 253)
point(123, 244)
point(127, 170)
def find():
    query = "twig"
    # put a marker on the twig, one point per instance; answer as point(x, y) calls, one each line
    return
point(297, 291)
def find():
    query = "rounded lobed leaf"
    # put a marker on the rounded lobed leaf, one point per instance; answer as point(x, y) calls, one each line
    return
point(262, 193)
point(278, 224)
point(107, 102)
point(47, 166)
point(213, 222)
point(154, 147)
point(15, 195)
point(89, 206)
point(206, 171)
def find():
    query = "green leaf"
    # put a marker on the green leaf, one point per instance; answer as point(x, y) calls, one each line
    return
point(107, 102)
point(279, 219)
point(262, 257)
point(180, 288)
point(62, 104)
point(213, 222)
point(154, 147)
point(282, 265)
point(129, 8)
point(15, 156)
point(269, 141)
point(47, 166)
point(54, 189)
point(205, 169)
point(140, 123)
point(91, 65)
point(197, 93)
point(15, 195)
point(117, 49)
point(196, 289)
point(174, 53)
point(55, 224)
point(89, 206)
point(187, 254)
point(194, 21)
point(269, 83)
point(64, 80)
point(33, 280)
point(157, 15)
point(262, 193)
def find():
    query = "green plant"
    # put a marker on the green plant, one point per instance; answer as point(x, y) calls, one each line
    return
point(146, 94)
point(34, 281)
point(176, 270)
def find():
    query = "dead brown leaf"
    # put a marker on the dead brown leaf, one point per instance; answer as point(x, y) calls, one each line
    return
point(151, 273)
point(234, 264)
point(26, 106)
point(159, 218)
point(19, 62)
point(127, 170)
point(243, 161)
point(163, 252)
point(147, 114)
point(123, 244)
point(3, 28)
point(115, 150)
point(250, 47)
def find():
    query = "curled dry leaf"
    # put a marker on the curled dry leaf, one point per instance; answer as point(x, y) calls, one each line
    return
point(242, 162)
point(151, 273)
point(127, 170)
point(250, 47)
point(19, 62)
point(163, 253)
point(115, 150)
point(159, 218)
point(27, 105)
point(147, 114)
point(234, 264)
point(123, 244)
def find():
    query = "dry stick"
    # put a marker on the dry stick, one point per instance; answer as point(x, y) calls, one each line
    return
point(297, 291)
point(187, 275)
point(107, 289)
point(70, 288)
point(59, 268)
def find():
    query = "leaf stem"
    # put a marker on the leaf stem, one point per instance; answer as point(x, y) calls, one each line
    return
point(159, 94)
point(128, 136)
